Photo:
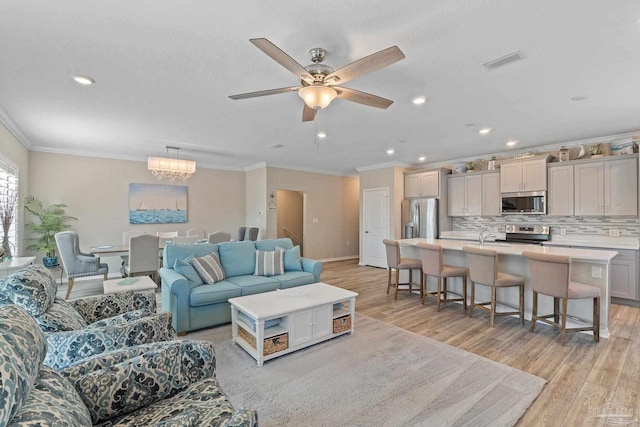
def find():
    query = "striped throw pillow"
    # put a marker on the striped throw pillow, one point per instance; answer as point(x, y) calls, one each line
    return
point(208, 268)
point(269, 263)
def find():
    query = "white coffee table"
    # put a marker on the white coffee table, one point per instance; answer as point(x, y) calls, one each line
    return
point(309, 314)
point(142, 283)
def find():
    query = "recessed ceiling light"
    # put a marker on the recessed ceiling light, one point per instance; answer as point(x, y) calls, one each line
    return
point(422, 158)
point(419, 100)
point(511, 143)
point(579, 98)
point(83, 80)
point(390, 151)
point(484, 131)
point(322, 135)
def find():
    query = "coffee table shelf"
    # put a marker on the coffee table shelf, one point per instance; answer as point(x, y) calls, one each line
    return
point(309, 316)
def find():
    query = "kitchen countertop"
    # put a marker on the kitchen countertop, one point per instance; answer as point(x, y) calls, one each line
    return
point(502, 248)
point(595, 241)
point(576, 240)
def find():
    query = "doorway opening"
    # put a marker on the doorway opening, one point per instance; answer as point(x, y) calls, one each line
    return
point(290, 216)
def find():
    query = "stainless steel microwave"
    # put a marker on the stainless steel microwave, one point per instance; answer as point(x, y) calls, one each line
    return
point(524, 203)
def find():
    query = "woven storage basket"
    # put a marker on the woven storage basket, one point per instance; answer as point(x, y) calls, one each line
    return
point(271, 345)
point(342, 324)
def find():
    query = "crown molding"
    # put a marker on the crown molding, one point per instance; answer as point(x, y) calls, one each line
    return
point(15, 130)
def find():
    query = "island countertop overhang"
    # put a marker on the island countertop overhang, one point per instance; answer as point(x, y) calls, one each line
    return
point(596, 256)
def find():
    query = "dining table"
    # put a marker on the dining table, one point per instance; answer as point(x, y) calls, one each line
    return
point(123, 249)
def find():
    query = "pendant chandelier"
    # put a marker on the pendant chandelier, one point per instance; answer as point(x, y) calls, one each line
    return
point(171, 168)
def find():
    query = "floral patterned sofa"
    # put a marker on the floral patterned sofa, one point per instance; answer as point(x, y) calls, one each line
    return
point(163, 384)
point(79, 329)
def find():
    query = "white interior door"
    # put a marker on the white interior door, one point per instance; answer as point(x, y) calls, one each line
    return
point(375, 222)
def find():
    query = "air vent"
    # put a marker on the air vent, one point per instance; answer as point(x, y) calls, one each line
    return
point(503, 60)
point(276, 146)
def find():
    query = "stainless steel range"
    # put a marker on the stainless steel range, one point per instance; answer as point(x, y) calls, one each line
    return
point(532, 234)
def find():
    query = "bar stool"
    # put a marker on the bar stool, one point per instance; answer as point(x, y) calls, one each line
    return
point(483, 270)
point(396, 263)
point(551, 275)
point(433, 265)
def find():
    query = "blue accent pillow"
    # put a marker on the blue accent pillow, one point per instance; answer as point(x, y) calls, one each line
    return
point(292, 260)
point(184, 267)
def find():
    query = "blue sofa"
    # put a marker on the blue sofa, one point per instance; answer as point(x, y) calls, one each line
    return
point(195, 306)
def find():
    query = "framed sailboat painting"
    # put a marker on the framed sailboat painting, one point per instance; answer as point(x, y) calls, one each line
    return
point(157, 204)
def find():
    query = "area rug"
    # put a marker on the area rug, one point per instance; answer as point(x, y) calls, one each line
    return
point(381, 375)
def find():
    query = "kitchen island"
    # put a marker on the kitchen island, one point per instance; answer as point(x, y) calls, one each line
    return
point(589, 266)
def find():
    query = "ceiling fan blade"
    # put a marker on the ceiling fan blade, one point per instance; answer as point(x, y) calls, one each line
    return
point(365, 65)
point(308, 113)
point(362, 97)
point(282, 58)
point(265, 92)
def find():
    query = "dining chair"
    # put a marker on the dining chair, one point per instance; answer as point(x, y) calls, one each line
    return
point(219, 237)
point(483, 270)
point(396, 263)
point(75, 262)
point(551, 276)
point(143, 256)
point(248, 233)
point(198, 232)
point(166, 234)
point(432, 257)
point(126, 235)
point(185, 240)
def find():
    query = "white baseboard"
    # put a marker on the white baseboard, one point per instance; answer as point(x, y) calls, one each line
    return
point(343, 258)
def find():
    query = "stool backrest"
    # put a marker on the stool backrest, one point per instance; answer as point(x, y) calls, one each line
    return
point(432, 258)
point(393, 252)
point(550, 274)
point(483, 264)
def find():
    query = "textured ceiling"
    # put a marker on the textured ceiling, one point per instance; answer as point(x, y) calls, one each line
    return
point(164, 70)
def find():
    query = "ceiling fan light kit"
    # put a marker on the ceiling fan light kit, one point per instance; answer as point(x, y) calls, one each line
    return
point(171, 168)
point(317, 97)
point(318, 80)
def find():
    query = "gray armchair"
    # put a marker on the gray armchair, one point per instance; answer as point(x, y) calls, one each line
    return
point(75, 262)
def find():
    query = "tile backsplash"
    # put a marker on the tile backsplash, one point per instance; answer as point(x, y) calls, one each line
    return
point(596, 226)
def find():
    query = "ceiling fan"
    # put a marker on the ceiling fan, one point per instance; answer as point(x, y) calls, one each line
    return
point(318, 81)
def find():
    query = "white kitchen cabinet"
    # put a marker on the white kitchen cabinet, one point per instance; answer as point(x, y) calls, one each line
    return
point(607, 187)
point(491, 200)
point(523, 175)
point(422, 184)
point(465, 195)
point(624, 275)
point(560, 194)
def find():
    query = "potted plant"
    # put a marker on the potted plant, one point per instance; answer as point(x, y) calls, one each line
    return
point(49, 221)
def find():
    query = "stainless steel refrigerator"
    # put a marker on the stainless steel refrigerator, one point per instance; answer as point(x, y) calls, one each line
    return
point(420, 218)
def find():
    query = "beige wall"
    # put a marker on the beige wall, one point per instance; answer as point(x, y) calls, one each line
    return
point(13, 151)
point(331, 200)
point(97, 193)
point(256, 200)
point(289, 211)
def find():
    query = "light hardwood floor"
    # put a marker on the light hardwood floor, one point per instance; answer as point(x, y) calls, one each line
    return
point(582, 377)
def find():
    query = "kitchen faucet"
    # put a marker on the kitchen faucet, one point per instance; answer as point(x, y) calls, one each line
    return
point(484, 235)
